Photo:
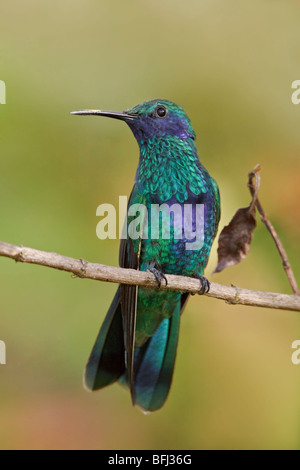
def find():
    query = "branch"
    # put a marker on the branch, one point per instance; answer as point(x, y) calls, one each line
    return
point(100, 272)
point(285, 262)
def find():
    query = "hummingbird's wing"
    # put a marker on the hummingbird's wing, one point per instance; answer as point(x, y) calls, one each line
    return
point(129, 258)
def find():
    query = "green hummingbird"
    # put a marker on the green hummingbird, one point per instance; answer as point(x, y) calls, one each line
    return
point(137, 342)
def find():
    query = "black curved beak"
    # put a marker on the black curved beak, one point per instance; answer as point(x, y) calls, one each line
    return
point(111, 114)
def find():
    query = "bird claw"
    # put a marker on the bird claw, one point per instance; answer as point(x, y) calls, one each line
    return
point(158, 274)
point(205, 284)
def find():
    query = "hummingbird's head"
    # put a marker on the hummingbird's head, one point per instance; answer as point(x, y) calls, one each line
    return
point(156, 118)
point(160, 118)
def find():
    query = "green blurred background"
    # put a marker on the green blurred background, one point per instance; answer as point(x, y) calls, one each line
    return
point(230, 65)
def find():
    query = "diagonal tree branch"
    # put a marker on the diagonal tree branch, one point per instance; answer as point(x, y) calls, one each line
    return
point(100, 272)
point(254, 188)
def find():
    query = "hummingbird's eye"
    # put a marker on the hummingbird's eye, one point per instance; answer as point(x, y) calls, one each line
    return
point(161, 111)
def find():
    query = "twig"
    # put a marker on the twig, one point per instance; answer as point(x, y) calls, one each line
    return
point(253, 187)
point(100, 272)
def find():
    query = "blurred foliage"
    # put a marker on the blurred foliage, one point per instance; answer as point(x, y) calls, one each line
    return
point(230, 65)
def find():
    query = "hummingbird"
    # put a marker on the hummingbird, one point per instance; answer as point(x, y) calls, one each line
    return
point(137, 342)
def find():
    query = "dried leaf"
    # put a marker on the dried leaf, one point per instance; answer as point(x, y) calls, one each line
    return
point(235, 238)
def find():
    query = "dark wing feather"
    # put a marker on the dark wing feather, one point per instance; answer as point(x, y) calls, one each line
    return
point(129, 258)
point(184, 299)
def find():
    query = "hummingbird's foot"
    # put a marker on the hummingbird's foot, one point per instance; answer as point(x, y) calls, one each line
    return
point(158, 274)
point(205, 284)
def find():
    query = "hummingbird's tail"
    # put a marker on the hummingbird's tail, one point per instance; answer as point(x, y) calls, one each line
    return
point(153, 362)
point(106, 362)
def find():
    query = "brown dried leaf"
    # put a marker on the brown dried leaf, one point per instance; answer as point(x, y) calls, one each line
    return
point(235, 238)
